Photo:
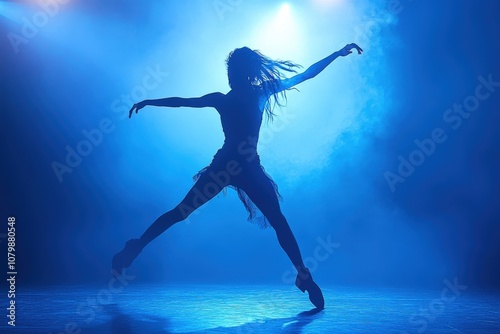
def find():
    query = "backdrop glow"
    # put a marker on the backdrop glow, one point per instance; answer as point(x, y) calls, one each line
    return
point(328, 150)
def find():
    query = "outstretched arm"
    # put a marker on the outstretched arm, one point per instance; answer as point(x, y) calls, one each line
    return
point(209, 100)
point(318, 67)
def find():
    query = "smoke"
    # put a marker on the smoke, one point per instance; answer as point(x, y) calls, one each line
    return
point(72, 84)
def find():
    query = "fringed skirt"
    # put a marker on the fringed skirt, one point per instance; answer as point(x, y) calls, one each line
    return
point(232, 170)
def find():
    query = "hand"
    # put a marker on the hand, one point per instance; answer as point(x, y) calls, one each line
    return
point(136, 107)
point(346, 50)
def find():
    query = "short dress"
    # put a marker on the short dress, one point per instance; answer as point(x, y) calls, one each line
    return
point(241, 129)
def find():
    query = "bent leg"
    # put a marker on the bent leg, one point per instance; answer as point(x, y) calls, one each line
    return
point(262, 194)
point(202, 191)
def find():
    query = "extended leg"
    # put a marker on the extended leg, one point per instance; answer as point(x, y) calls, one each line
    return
point(262, 193)
point(264, 197)
point(202, 191)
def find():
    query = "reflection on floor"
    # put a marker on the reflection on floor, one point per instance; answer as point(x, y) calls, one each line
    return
point(249, 309)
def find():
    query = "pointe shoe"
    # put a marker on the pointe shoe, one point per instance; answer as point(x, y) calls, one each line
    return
point(304, 282)
point(123, 259)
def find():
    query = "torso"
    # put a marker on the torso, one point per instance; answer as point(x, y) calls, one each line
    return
point(241, 118)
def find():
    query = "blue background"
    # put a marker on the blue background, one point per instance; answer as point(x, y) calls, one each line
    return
point(329, 150)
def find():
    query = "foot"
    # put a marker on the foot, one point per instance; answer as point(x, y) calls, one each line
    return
point(304, 282)
point(123, 259)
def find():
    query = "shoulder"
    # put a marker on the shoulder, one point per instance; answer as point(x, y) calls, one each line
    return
point(214, 96)
point(270, 87)
point(213, 99)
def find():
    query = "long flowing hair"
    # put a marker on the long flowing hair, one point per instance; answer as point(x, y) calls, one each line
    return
point(247, 67)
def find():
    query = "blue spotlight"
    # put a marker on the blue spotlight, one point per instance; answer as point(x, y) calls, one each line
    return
point(285, 8)
point(284, 14)
point(269, 34)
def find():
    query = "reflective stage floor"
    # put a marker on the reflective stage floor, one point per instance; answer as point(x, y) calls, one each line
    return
point(192, 309)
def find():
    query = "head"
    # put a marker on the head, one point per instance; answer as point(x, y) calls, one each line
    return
point(247, 68)
point(243, 67)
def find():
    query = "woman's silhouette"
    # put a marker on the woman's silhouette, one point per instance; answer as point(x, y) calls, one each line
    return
point(257, 86)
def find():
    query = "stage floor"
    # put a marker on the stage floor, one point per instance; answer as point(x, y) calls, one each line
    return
point(250, 309)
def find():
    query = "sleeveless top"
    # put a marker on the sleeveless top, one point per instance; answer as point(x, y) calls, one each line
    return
point(241, 118)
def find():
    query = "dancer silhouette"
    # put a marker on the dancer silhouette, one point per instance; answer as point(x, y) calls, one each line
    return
point(257, 85)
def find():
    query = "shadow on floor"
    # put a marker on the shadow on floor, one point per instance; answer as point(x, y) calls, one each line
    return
point(122, 323)
point(291, 325)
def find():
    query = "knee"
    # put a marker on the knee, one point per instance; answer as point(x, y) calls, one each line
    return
point(177, 214)
point(278, 221)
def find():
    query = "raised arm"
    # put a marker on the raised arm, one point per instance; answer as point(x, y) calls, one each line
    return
point(209, 100)
point(318, 67)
